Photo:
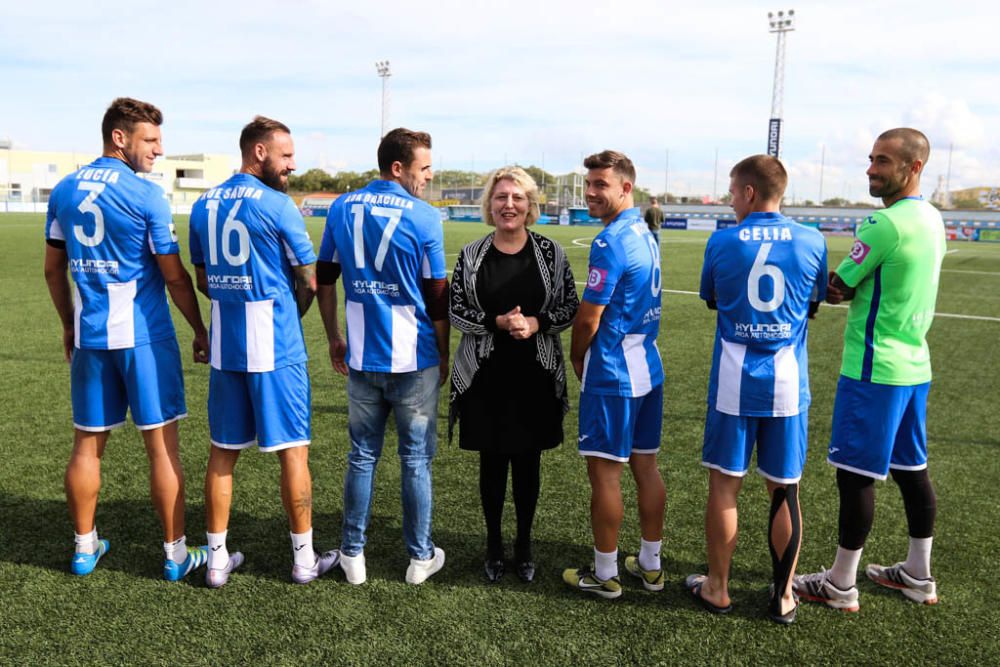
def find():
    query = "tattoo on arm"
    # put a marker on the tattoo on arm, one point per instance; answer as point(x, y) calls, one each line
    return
point(305, 286)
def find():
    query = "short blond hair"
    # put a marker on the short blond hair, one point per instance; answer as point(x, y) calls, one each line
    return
point(521, 179)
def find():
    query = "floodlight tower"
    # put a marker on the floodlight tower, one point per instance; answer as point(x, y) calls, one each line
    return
point(780, 23)
point(382, 67)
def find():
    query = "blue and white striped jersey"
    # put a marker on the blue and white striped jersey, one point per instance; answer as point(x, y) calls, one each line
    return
point(248, 236)
point(113, 222)
point(762, 275)
point(386, 241)
point(624, 276)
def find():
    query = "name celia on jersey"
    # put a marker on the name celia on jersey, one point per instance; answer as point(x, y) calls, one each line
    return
point(230, 282)
point(764, 331)
point(765, 234)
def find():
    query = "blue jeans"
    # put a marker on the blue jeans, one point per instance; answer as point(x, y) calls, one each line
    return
point(413, 398)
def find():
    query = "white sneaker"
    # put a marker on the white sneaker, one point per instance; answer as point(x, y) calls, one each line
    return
point(817, 587)
point(354, 568)
point(217, 578)
point(923, 591)
point(303, 575)
point(420, 570)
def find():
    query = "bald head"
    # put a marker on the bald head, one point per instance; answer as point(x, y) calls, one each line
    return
point(913, 144)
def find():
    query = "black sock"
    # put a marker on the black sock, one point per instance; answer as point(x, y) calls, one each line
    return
point(919, 500)
point(857, 508)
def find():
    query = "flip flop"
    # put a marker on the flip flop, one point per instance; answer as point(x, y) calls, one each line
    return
point(693, 584)
point(784, 619)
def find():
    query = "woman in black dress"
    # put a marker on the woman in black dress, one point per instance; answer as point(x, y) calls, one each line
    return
point(512, 292)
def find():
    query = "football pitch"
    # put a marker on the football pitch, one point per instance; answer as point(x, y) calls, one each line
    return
point(124, 613)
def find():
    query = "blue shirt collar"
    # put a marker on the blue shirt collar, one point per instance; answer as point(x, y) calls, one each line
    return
point(106, 161)
point(627, 213)
point(382, 185)
point(762, 217)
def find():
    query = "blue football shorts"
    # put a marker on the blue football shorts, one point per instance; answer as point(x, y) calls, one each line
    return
point(781, 445)
point(879, 426)
point(615, 427)
point(147, 379)
point(270, 410)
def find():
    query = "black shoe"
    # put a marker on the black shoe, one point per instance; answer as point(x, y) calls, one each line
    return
point(526, 571)
point(494, 570)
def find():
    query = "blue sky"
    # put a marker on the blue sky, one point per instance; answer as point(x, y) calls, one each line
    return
point(522, 82)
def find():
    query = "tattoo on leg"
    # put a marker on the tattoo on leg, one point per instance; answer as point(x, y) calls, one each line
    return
point(303, 503)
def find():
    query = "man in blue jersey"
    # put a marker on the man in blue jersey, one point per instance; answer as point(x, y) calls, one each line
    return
point(766, 278)
point(615, 357)
point(255, 261)
point(112, 230)
point(389, 245)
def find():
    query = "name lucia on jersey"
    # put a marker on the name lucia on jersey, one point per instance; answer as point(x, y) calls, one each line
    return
point(765, 234)
point(102, 175)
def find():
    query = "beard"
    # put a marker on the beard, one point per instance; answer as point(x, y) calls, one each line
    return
point(274, 178)
point(887, 187)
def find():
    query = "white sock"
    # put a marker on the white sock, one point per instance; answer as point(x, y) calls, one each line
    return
point(302, 548)
point(218, 554)
point(86, 543)
point(176, 550)
point(844, 573)
point(918, 558)
point(605, 564)
point(649, 554)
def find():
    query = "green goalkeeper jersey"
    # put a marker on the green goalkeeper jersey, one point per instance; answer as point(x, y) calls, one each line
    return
point(894, 265)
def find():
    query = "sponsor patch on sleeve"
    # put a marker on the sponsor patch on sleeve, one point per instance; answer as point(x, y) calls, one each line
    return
point(596, 278)
point(859, 251)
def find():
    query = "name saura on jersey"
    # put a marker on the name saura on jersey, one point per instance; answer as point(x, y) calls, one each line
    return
point(765, 234)
point(239, 192)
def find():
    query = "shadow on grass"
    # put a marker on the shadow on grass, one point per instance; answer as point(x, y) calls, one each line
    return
point(38, 533)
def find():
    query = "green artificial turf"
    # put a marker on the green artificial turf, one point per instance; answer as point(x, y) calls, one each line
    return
point(124, 613)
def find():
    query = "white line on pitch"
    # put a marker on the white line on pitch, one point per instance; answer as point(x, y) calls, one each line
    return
point(957, 316)
point(980, 273)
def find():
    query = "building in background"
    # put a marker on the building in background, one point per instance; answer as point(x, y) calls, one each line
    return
point(27, 177)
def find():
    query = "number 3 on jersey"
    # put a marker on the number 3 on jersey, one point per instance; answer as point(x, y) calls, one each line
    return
point(358, 211)
point(88, 205)
point(229, 227)
point(757, 272)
